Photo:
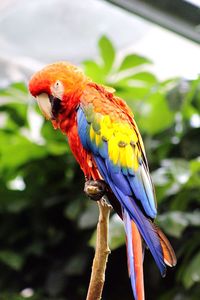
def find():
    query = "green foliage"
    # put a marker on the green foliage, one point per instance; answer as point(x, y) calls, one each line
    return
point(192, 273)
point(132, 61)
point(107, 52)
point(48, 225)
point(175, 222)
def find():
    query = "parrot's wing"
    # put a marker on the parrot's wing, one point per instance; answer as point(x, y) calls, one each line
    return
point(118, 150)
point(107, 131)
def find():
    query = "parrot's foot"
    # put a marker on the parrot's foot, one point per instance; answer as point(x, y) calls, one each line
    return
point(95, 189)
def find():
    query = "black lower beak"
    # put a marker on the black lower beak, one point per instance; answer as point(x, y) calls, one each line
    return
point(56, 106)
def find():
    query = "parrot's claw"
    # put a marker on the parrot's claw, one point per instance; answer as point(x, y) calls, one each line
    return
point(95, 189)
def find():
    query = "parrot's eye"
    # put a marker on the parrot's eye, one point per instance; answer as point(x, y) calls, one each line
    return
point(57, 84)
point(57, 89)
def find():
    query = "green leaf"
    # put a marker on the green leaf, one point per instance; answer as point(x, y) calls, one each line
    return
point(17, 114)
point(132, 93)
point(12, 259)
point(178, 168)
point(116, 232)
point(73, 210)
point(15, 92)
point(94, 71)
point(146, 77)
point(188, 109)
point(195, 166)
point(16, 150)
point(107, 53)
point(12, 204)
point(76, 265)
point(155, 114)
point(174, 223)
point(172, 179)
point(89, 217)
point(132, 61)
point(192, 273)
point(20, 86)
point(138, 79)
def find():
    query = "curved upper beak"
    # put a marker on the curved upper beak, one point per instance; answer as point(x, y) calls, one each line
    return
point(45, 105)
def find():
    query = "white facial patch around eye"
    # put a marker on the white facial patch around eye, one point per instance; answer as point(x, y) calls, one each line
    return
point(57, 89)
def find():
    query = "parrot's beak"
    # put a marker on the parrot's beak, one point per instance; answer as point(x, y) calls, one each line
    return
point(45, 105)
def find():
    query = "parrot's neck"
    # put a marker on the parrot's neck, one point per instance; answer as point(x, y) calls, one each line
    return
point(67, 123)
point(67, 118)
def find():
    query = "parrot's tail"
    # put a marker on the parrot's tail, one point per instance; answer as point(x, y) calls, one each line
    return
point(163, 253)
point(168, 252)
point(135, 255)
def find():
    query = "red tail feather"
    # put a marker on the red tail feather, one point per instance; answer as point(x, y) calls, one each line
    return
point(138, 261)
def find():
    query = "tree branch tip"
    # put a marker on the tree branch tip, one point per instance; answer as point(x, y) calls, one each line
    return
point(107, 252)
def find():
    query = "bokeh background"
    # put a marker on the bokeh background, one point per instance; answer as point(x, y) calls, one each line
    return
point(47, 225)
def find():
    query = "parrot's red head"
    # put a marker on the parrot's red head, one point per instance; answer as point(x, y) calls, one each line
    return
point(56, 88)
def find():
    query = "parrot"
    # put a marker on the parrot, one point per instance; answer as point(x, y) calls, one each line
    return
point(105, 140)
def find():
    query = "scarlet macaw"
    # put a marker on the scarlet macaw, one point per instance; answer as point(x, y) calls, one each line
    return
point(106, 142)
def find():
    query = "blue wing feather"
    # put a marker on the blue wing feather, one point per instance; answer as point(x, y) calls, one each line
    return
point(144, 225)
point(83, 129)
point(128, 189)
point(143, 191)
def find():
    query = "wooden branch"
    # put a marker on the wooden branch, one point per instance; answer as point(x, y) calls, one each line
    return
point(101, 253)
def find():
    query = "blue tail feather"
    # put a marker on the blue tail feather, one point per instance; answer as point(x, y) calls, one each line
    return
point(127, 223)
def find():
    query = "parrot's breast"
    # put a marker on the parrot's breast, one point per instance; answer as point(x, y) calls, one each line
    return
point(70, 128)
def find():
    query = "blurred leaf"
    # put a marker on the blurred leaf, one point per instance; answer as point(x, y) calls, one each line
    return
point(140, 79)
point(15, 150)
point(20, 86)
point(73, 210)
point(107, 53)
point(12, 259)
point(188, 108)
point(192, 273)
point(132, 93)
point(76, 265)
point(94, 71)
point(151, 121)
point(179, 169)
point(174, 223)
point(14, 92)
point(7, 204)
point(172, 176)
point(132, 61)
point(89, 217)
point(17, 117)
point(195, 166)
point(116, 233)
point(146, 77)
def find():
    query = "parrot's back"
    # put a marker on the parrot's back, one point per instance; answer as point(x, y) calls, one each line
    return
point(107, 129)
